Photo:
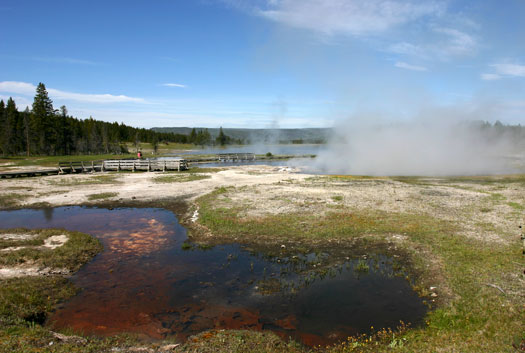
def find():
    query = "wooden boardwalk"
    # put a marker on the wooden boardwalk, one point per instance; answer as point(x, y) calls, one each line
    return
point(28, 173)
point(118, 165)
point(235, 157)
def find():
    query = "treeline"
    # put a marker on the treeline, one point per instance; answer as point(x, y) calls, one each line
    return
point(204, 138)
point(48, 131)
point(514, 135)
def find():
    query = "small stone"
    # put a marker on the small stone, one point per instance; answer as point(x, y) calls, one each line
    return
point(169, 347)
point(433, 295)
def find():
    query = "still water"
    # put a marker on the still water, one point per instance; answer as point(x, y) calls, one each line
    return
point(146, 281)
point(295, 150)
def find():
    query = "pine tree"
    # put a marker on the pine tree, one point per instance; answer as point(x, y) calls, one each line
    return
point(10, 133)
point(2, 128)
point(193, 136)
point(222, 138)
point(43, 115)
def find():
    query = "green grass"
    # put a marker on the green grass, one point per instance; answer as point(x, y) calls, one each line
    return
point(240, 342)
point(26, 301)
point(76, 251)
point(179, 178)
point(11, 199)
point(92, 180)
point(101, 196)
point(203, 170)
point(516, 206)
point(52, 161)
point(471, 314)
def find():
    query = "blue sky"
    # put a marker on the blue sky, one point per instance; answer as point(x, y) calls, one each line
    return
point(267, 63)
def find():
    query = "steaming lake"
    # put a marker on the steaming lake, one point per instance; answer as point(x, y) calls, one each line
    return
point(146, 282)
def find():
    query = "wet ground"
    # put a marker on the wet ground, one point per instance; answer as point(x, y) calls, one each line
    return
point(151, 281)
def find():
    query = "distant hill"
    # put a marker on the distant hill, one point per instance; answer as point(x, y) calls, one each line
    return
point(310, 135)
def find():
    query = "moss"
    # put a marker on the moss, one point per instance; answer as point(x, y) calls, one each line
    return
point(101, 196)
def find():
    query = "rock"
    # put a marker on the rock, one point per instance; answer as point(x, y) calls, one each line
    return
point(69, 339)
point(169, 347)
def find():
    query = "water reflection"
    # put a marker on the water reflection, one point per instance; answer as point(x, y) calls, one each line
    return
point(148, 283)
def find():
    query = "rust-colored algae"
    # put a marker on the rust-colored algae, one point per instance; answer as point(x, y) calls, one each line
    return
point(145, 282)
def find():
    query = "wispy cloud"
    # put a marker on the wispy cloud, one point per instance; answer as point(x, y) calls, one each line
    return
point(458, 43)
point(409, 49)
point(403, 65)
point(504, 69)
point(173, 85)
point(445, 43)
point(25, 88)
point(17, 87)
point(509, 69)
point(65, 60)
point(348, 17)
point(490, 77)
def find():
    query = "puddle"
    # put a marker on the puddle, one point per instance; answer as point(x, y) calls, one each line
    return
point(148, 281)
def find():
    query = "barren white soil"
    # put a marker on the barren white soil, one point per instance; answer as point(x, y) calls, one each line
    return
point(486, 211)
point(52, 242)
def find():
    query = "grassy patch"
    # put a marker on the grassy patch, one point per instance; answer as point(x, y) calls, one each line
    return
point(239, 341)
point(471, 317)
point(179, 178)
point(25, 302)
point(516, 206)
point(11, 199)
point(101, 196)
point(52, 161)
point(489, 180)
point(72, 180)
point(76, 251)
point(204, 170)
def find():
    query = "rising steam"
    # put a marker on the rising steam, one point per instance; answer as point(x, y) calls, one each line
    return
point(421, 148)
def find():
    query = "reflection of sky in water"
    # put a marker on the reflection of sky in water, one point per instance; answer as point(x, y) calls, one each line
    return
point(145, 283)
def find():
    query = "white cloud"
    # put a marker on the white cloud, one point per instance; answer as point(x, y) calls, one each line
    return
point(510, 69)
point(406, 66)
point(458, 43)
point(410, 49)
point(490, 77)
point(445, 43)
point(348, 17)
point(21, 102)
point(17, 87)
point(25, 88)
point(174, 85)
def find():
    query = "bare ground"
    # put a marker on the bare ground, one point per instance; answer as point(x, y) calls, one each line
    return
point(29, 269)
point(486, 211)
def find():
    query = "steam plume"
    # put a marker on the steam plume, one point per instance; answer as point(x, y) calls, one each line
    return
point(420, 148)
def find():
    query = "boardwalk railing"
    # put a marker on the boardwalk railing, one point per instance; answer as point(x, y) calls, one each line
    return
point(101, 166)
point(235, 157)
point(149, 165)
point(80, 167)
